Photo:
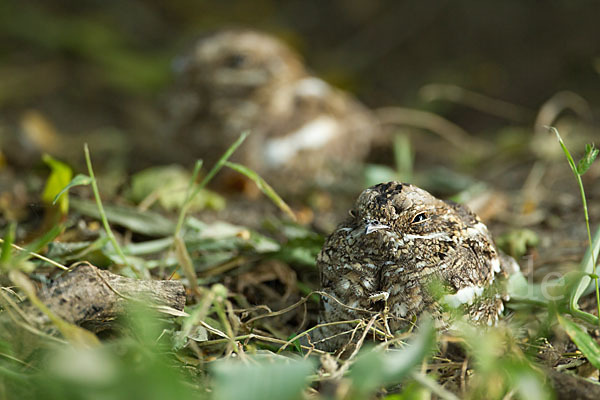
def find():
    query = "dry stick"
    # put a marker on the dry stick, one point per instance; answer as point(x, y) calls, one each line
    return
point(558, 103)
point(431, 122)
point(476, 101)
point(95, 297)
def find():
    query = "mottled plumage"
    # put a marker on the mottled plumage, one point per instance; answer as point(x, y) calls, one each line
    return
point(302, 129)
point(396, 243)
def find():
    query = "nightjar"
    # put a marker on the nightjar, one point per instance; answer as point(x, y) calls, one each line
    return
point(303, 130)
point(397, 244)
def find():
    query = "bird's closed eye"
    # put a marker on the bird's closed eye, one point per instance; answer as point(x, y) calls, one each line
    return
point(419, 218)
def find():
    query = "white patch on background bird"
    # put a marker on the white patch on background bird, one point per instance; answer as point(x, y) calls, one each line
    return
point(312, 87)
point(312, 135)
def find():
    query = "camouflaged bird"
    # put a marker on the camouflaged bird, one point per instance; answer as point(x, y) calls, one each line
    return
point(398, 241)
point(303, 130)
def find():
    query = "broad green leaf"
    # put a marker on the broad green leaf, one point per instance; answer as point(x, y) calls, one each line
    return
point(280, 378)
point(588, 346)
point(60, 176)
point(79, 180)
point(263, 186)
point(144, 222)
point(374, 369)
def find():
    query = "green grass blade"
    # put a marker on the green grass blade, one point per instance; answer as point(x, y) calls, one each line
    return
point(109, 232)
point(7, 244)
point(564, 148)
point(40, 243)
point(216, 168)
point(263, 186)
point(188, 196)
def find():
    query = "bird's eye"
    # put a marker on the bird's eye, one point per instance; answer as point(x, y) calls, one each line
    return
point(236, 60)
point(419, 218)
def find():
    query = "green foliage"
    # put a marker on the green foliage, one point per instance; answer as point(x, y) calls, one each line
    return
point(131, 367)
point(586, 161)
point(588, 346)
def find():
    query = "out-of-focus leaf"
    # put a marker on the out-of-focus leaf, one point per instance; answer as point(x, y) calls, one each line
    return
point(531, 387)
point(375, 173)
point(60, 176)
point(79, 180)
point(264, 187)
point(374, 369)
point(403, 156)
point(169, 184)
point(516, 242)
point(588, 346)
point(279, 378)
point(146, 222)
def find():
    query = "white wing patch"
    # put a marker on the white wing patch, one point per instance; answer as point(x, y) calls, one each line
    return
point(312, 135)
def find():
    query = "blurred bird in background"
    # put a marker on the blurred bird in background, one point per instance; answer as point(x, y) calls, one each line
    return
point(304, 132)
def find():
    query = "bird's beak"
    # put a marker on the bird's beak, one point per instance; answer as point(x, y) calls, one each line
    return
point(375, 226)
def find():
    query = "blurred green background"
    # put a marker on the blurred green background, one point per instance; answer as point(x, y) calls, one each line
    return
point(92, 64)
